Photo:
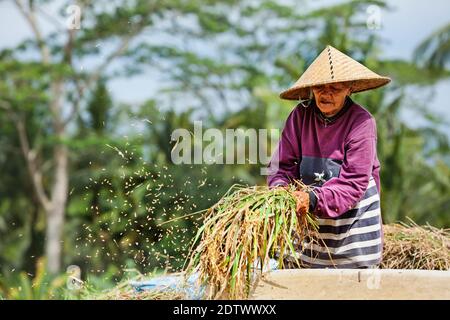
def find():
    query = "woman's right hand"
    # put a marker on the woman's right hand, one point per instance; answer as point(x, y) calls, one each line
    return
point(302, 198)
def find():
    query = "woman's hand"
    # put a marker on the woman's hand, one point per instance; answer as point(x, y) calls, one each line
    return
point(302, 198)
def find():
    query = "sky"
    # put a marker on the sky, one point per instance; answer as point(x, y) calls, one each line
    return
point(402, 29)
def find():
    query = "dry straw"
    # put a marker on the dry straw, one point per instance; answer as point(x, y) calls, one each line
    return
point(416, 247)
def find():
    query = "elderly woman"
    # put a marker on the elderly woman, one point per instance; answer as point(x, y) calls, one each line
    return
point(329, 142)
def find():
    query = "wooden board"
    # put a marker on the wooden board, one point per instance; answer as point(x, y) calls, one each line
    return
point(352, 284)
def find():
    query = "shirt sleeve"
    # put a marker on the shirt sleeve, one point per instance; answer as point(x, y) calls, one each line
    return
point(340, 194)
point(283, 166)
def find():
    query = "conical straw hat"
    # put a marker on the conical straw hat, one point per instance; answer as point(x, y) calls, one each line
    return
point(333, 66)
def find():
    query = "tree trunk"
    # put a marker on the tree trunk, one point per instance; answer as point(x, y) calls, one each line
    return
point(35, 247)
point(55, 214)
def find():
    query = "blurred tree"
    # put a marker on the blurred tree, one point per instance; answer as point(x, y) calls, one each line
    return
point(434, 51)
point(59, 78)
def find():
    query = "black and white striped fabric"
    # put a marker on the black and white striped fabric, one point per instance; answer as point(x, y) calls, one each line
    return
point(352, 240)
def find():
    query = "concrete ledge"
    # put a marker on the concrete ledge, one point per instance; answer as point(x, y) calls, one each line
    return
point(357, 284)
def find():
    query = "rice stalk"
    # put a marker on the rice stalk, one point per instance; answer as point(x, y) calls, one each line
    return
point(244, 229)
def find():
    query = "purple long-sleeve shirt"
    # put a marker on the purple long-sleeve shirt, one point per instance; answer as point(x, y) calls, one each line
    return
point(337, 157)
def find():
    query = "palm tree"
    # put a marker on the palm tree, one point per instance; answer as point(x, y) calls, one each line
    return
point(434, 51)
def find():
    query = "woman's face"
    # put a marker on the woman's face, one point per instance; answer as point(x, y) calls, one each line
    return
point(330, 98)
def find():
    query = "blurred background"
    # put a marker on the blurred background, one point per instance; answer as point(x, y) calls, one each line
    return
point(90, 92)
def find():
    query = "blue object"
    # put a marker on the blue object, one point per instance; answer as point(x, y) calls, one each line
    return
point(190, 287)
point(177, 283)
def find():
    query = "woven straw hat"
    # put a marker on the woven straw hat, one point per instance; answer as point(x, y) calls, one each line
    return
point(333, 66)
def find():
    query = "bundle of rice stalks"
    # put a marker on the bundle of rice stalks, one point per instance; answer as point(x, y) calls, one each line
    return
point(246, 227)
point(416, 247)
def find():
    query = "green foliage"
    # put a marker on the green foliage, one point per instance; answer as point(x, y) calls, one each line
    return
point(98, 108)
point(434, 51)
point(41, 286)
